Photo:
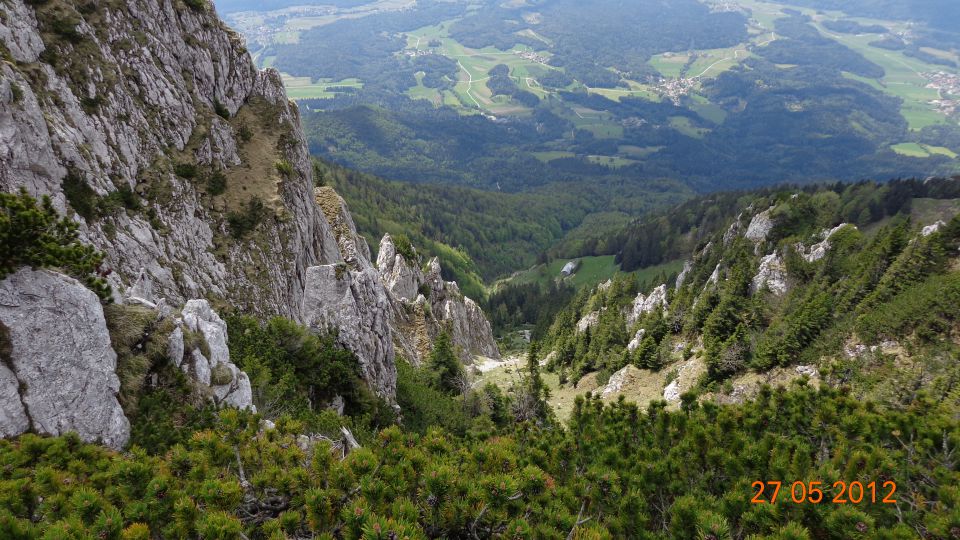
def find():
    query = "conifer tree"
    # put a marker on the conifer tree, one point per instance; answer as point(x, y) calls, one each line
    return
point(445, 364)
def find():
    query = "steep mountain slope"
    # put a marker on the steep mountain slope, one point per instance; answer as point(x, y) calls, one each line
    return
point(147, 125)
point(781, 289)
point(149, 122)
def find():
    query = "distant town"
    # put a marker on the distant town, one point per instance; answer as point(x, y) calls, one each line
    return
point(675, 88)
point(947, 86)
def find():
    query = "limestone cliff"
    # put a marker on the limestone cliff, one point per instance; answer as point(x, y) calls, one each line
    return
point(349, 299)
point(149, 123)
point(426, 304)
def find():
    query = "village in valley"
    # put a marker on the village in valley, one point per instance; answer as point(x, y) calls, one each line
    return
point(947, 86)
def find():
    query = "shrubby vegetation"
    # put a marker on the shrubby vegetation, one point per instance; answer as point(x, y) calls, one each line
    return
point(616, 471)
point(482, 462)
point(297, 373)
point(32, 233)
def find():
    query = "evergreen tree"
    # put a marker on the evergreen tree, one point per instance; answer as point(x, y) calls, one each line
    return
point(445, 364)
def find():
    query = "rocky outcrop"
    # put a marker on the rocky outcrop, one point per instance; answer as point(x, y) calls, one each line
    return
point(619, 380)
point(760, 227)
point(819, 250)
point(402, 278)
point(588, 321)
point(149, 89)
point(932, 228)
point(426, 304)
point(682, 276)
point(58, 373)
point(644, 304)
point(733, 231)
point(353, 304)
point(349, 299)
point(230, 386)
point(636, 340)
point(772, 276)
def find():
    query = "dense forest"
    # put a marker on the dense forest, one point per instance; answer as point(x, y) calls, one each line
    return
point(482, 235)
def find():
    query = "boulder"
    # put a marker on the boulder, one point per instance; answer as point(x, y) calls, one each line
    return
point(141, 292)
point(59, 370)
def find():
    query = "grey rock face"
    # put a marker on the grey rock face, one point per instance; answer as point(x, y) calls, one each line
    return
point(772, 274)
point(682, 276)
point(60, 359)
point(415, 325)
point(643, 304)
point(355, 303)
point(155, 71)
point(175, 346)
point(588, 321)
point(141, 292)
point(636, 340)
point(13, 415)
point(760, 227)
point(230, 385)
point(352, 248)
point(400, 277)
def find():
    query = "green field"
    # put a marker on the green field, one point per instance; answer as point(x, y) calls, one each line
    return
point(304, 88)
point(922, 150)
point(613, 162)
point(903, 77)
point(669, 64)
point(552, 155)
point(475, 64)
point(592, 271)
point(685, 125)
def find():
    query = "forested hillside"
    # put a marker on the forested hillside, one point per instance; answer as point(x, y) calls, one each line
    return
point(481, 235)
point(846, 279)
